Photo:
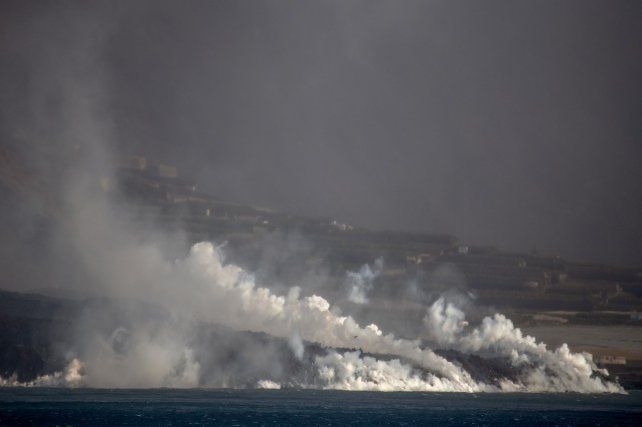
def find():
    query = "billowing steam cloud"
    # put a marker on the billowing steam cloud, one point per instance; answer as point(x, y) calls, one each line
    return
point(351, 371)
point(203, 287)
point(545, 370)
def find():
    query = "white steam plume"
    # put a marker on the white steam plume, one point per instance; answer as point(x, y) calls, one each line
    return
point(268, 384)
point(544, 370)
point(359, 283)
point(296, 344)
point(351, 371)
point(72, 376)
point(204, 287)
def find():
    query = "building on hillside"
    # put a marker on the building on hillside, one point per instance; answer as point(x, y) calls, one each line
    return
point(166, 171)
point(420, 258)
point(462, 250)
point(340, 226)
point(186, 197)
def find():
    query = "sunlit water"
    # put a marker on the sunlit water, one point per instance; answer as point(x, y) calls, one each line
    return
point(41, 406)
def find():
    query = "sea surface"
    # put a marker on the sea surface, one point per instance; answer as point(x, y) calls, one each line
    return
point(49, 406)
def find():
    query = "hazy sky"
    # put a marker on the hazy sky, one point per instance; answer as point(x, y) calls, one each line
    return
point(510, 123)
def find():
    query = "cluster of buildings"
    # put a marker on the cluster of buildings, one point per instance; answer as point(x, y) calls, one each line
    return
point(160, 188)
point(159, 185)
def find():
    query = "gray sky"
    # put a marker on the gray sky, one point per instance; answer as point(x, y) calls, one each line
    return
point(510, 123)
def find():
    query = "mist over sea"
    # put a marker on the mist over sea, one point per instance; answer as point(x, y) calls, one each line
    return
point(42, 406)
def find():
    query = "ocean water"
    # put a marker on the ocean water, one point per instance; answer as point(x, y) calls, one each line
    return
point(48, 406)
